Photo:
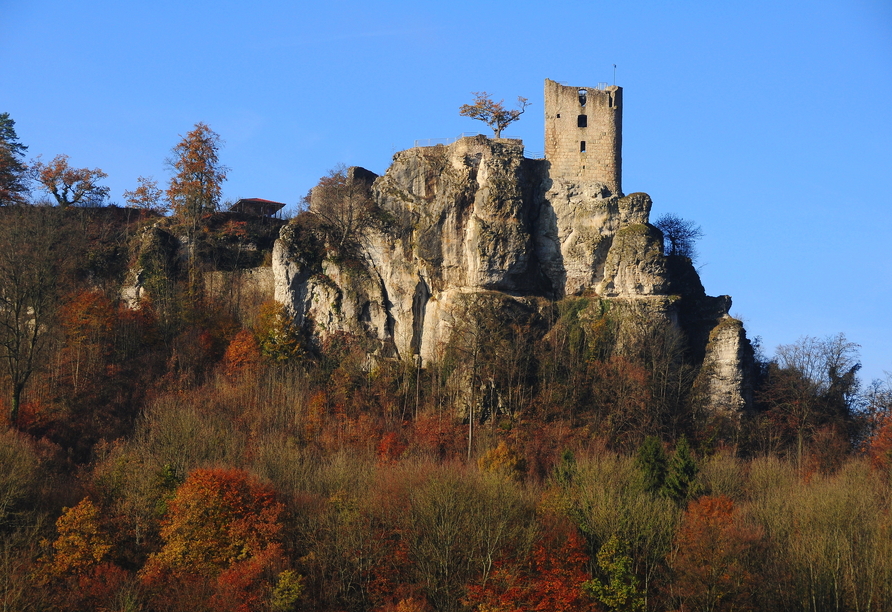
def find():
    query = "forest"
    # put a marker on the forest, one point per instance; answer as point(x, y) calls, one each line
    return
point(196, 450)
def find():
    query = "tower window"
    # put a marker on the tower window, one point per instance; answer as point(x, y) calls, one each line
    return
point(582, 121)
point(582, 95)
point(558, 115)
point(582, 146)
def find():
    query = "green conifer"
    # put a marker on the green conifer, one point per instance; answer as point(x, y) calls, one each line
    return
point(683, 470)
point(651, 461)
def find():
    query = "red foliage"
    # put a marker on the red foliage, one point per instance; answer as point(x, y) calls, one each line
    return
point(438, 436)
point(391, 447)
point(245, 585)
point(550, 581)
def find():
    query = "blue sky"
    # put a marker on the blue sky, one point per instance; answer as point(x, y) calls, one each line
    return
point(768, 123)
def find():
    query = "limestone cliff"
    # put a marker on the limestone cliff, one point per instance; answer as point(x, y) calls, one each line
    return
point(477, 217)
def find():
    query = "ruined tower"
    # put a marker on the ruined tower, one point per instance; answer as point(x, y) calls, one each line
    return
point(583, 133)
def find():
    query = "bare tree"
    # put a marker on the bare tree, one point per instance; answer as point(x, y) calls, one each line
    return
point(493, 114)
point(30, 261)
point(812, 382)
point(681, 235)
point(344, 206)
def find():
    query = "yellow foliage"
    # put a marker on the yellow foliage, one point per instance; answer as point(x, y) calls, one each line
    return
point(502, 460)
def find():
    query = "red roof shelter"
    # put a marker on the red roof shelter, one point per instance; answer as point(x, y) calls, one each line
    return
point(257, 206)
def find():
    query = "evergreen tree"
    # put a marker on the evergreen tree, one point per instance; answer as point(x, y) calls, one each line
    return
point(682, 472)
point(651, 461)
point(13, 171)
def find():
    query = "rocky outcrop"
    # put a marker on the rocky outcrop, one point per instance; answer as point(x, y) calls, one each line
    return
point(477, 218)
point(725, 374)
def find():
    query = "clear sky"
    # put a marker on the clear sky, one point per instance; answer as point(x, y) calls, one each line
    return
point(769, 123)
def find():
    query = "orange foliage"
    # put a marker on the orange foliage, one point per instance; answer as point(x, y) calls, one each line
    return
point(710, 566)
point(88, 319)
point(880, 446)
point(242, 355)
point(197, 185)
point(71, 186)
point(391, 447)
point(82, 544)
point(216, 518)
point(80, 577)
point(147, 196)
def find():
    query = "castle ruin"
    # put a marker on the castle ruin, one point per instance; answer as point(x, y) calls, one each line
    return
point(583, 133)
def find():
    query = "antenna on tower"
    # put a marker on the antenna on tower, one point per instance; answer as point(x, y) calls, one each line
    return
point(614, 75)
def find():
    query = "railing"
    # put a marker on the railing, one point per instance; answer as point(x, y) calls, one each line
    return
point(432, 142)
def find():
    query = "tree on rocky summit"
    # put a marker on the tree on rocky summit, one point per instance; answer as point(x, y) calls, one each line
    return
point(71, 186)
point(680, 235)
point(344, 207)
point(493, 114)
point(147, 196)
point(196, 186)
point(13, 171)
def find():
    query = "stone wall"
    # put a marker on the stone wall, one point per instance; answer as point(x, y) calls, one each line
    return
point(583, 134)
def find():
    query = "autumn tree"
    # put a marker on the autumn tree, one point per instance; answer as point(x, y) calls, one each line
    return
point(680, 234)
point(82, 542)
point(242, 355)
point(712, 556)
point(619, 590)
point(343, 204)
point(70, 186)
point(13, 170)
point(551, 579)
point(30, 260)
point(494, 114)
point(147, 196)
point(196, 186)
point(216, 518)
point(78, 573)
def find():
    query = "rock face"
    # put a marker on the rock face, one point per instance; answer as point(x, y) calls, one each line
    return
point(477, 217)
point(726, 368)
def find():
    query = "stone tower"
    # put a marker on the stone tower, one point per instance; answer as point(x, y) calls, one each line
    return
point(584, 133)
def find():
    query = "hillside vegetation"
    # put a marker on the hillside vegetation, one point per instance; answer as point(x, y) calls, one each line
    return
point(191, 453)
point(174, 439)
